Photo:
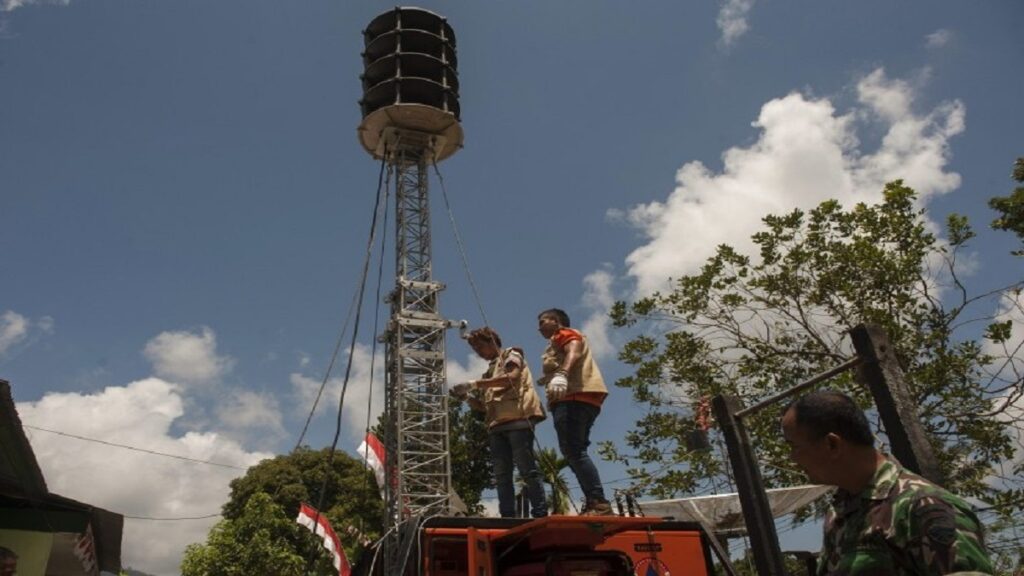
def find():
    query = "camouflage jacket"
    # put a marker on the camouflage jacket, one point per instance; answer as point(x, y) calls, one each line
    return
point(901, 524)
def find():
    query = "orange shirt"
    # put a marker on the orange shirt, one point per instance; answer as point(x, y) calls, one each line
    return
point(561, 338)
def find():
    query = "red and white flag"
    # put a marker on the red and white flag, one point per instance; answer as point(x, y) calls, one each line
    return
point(372, 451)
point(319, 525)
point(85, 551)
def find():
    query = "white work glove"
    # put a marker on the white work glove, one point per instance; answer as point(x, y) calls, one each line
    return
point(463, 389)
point(557, 386)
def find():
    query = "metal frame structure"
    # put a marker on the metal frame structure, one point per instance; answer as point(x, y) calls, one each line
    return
point(878, 367)
point(410, 108)
point(419, 466)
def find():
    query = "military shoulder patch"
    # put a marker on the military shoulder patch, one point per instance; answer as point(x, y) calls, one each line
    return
point(936, 521)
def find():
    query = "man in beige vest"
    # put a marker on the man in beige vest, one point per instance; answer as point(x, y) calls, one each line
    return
point(506, 396)
point(575, 391)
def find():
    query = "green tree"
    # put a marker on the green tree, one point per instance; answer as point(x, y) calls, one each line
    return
point(470, 454)
point(350, 501)
point(261, 536)
point(755, 325)
point(1011, 208)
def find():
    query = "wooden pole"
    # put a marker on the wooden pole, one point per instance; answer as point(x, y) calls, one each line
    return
point(757, 513)
point(896, 405)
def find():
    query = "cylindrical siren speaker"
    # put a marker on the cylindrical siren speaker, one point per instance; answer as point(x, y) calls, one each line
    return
point(410, 81)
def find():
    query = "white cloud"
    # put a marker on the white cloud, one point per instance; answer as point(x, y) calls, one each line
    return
point(806, 153)
point(45, 324)
point(13, 329)
point(133, 483)
point(732, 19)
point(188, 357)
point(598, 298)
point(357, 394)
point(16, 330)
point(354, 416)
point(9, 5)
point(245, 411)
point(939, 38)
point(474, 367)
point(915, 148)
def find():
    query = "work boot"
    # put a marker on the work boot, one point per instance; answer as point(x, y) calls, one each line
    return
point(597, 508)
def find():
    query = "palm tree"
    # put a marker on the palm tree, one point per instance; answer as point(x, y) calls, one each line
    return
point(551, 466)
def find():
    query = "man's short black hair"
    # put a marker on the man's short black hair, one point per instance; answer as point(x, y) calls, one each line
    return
point(563, 318)
point(831, 412)
point(7, 553)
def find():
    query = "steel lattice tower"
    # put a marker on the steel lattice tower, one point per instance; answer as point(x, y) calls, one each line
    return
point(417, 399)
point(410, 121)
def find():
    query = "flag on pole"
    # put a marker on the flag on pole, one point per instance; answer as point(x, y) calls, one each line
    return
point(85, 551)
point(320, 526)
point(372, 451)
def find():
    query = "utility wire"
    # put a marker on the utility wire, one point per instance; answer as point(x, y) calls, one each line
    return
point(356, 296)
point(351, 352)
point(153, 452)
point(171, 519)
point(376, 327)
point(462, 247)
point(127, 447)
point(327, 374)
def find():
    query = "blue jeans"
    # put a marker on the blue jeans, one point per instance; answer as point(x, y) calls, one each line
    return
point(516, 446)
point(573, 421)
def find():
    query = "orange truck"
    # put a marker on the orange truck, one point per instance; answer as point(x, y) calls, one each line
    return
point(561, 546)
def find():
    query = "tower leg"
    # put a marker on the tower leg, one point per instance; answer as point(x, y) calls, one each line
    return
point(419, 467)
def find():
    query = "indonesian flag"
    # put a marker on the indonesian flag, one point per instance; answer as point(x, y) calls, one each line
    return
point(85, 551)
point(319, 525)
point(372, 451)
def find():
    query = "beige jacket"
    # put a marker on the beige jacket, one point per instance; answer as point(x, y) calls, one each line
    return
point(584, 377)
point(518, 401)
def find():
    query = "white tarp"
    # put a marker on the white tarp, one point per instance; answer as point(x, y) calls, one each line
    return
point(722, 512)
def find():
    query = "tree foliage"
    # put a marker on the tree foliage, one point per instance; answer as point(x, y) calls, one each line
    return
point(261, 536)
point(259, 518)
point(259, 528)
point(1011, 207)
point(470, 454)
point(753, 325)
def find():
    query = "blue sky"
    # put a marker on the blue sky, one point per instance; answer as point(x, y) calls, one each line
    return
point(185, 204)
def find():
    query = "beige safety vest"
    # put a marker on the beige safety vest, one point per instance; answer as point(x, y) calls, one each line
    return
point(518, 401)
point(584, 375)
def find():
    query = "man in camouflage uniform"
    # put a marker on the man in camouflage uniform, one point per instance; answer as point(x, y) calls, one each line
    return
point(884, 519)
